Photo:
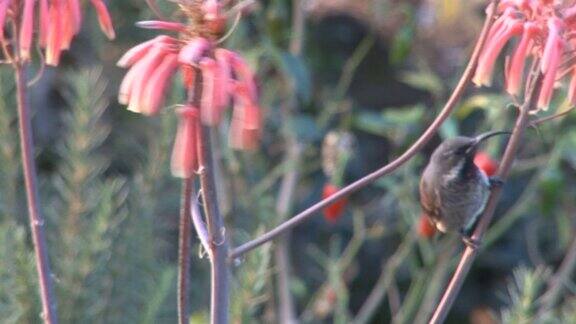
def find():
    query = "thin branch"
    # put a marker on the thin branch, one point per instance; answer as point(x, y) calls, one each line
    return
point(469, 253)
point(286, 309)
point(370, 178)
point(370, 306)
point(184, 250)
point(35, 217)
point(551, 117)
point(438, 279)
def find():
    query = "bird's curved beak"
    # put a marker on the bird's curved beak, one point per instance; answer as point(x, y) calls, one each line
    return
point(484, 136)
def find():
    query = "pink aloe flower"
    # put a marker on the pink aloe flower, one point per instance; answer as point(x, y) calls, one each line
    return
point(56, 22)
point(184, 154)
point(546, 31)
point(196, 54)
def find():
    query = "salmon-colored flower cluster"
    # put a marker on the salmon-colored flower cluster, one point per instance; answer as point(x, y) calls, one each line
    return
point(224, 77)
point(545, 31)
point(55, 22)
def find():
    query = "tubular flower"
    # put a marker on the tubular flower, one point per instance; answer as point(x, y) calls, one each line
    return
point(545, 33)
point(184, 155)
point(56, 22)
point(194, 52)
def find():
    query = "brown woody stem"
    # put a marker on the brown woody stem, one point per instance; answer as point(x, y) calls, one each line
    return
point(216, 232)
point(35, 217)
point(184, 231)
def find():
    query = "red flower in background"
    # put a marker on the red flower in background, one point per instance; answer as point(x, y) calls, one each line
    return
point(485, 163)
point(195, 52)
point(57, 22)
point(333, 211)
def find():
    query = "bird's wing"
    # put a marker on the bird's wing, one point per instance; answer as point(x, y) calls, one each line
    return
point(430, 201)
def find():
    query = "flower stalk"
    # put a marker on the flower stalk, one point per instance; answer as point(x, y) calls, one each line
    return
point(49, 315)
point(217, 242)
point(184, 232)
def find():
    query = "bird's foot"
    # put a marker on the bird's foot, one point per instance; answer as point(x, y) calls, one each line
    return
point(495, 182)
point(469, 241)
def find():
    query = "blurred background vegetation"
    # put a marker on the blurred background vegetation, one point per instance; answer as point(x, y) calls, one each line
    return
point(375, 70)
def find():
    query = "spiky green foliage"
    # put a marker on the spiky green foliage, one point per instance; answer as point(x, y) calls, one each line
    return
point(17, 276)
point(103, 239)
point(524, 291)
point(8, 144)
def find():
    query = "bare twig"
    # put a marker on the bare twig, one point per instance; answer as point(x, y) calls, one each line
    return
point(370, 306)
point(437, 282)
point(412, 151)
point(286, 311)
point(470, 254)
point(551, 117)
point(340, 266)
point(35, 217)
point(184, 250)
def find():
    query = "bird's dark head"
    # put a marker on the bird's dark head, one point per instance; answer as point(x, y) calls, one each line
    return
point(457, 151)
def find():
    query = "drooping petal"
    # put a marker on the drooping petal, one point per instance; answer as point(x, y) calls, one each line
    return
point(516, 69)
point(211, 107)
point(43, 23)
point(245, 127)
point(554, 28)
point(54, 39)
point(156, 86)
point(493, 47)
point(193, 51)
point(158, 24)
point(554, 60)
point(184, 154)
point(242, 138)
point(26, 29)
point(68, 27)
point(104, 18)
point(244, 74)
point(144, 69)
point(222, 58)
point(137, 52)
point(75, 11)
point(251, 118)
point(127, 85)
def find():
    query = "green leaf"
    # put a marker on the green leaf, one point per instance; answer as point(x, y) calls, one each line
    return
point(297, 71)
point(423, 80)
point(401, 45)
